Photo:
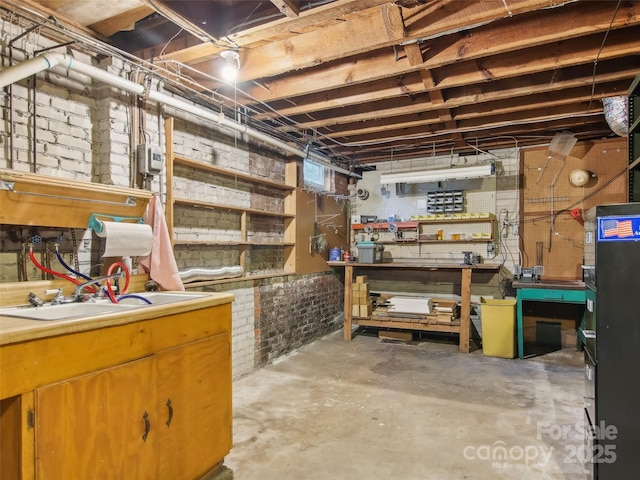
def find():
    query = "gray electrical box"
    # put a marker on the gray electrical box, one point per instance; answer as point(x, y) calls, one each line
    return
point(150, 158)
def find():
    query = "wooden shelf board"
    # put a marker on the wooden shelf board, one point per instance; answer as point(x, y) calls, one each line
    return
point(218, 206)
point(457, 220)
point(398, 242)
point(384, 225)
point(478, 240)
point(412, 265)
point(187, 162)
point(246, 278)
point(403, 324)
point(47, 201)
point(232, 243)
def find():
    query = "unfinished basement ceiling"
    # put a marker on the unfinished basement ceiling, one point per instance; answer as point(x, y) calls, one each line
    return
point(366, 81)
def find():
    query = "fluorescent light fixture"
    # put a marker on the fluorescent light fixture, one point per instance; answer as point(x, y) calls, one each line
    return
point(453, 173)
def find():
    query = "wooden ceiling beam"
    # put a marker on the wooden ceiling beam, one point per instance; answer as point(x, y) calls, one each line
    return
point(482, 42)
point(384, 26)
point(585, 50)
point(566, 97)
point(308, 19)
point(124, 21)
point(62, 19)
point(429, 20)
point(503, 137)
point(287, 8)
point(582, 102)
point(620, 43)
point(389, 97)
point(420, 105)
point(432, 125)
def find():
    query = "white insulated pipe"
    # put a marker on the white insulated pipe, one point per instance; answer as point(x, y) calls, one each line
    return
point(50, 60)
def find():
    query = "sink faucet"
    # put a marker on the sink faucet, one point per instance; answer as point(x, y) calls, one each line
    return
point(78, 291)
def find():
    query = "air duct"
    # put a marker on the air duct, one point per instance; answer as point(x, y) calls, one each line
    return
point(208, 274)
point(616, 113)
point(50, 60)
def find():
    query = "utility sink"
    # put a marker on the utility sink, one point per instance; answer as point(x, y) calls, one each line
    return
point(68, 311)
point(63, 311)
point(158, 298)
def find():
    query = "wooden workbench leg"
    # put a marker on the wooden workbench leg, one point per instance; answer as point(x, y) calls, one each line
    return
point(465, 309)
point(348, 299)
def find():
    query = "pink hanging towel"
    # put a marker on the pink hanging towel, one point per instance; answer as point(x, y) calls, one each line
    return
point(160, 264)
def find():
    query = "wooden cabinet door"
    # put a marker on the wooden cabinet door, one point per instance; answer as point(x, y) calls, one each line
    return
point(196, 380)
point(92, 427)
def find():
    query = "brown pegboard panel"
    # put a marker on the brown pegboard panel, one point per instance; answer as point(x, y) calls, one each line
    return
point(548, 197)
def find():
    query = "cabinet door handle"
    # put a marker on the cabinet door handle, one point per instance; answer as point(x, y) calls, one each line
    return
point(147, 426)
point(170, 408)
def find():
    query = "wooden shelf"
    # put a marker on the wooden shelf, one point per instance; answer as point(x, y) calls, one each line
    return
point(384, 225)
point(457, 220)
point(473, 240)
point(233, 243)
point(48, 201)
point(187, 162)
point(407, 241)
point(246, 278)
point(230, 208)
point(407, 325)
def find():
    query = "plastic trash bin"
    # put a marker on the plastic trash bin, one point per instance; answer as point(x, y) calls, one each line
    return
point(498, 317)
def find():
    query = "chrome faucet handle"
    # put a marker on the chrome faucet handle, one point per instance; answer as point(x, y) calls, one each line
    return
point(34, 300)
point(58, 298)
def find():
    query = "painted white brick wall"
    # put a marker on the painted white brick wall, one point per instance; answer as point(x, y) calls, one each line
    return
point(243, 327)
point(243, 332)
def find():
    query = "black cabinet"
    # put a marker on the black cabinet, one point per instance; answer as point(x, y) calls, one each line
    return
point(612, 347)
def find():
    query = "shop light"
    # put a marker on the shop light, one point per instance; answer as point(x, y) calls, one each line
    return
point(439, 175)
point(231, 65)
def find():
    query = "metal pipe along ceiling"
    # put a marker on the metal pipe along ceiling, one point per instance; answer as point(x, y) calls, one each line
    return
point(50, 60)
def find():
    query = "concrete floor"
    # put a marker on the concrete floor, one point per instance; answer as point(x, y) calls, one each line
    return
point(379, 409)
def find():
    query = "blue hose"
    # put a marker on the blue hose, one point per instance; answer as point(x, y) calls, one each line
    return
point(133, 295)
point(63, 263)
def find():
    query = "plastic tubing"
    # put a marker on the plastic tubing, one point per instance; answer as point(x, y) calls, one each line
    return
point(133, 295)
point(53, 272)
point(107, 282)
point(64, 264)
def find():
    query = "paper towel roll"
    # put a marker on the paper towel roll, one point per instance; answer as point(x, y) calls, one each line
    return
point(134, 239)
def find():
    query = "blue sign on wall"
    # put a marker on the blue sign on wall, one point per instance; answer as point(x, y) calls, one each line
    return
point(619, 229)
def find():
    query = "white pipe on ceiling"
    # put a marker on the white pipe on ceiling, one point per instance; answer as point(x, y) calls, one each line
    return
point(50, 60)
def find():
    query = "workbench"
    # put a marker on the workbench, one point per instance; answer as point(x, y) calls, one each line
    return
point(571, 291)
point(465, 293)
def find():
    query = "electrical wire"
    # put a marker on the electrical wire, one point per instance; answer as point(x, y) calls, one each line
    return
point(595, 62)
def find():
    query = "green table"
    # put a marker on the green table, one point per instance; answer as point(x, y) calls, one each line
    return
point(545, 291)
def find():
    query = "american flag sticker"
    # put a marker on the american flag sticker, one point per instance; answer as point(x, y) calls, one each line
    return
point(620, 228)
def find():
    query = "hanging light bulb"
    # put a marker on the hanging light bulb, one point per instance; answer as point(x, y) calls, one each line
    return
point(231, 65)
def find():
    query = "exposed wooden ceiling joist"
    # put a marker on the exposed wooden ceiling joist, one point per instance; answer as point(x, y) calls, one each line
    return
point(360, 79)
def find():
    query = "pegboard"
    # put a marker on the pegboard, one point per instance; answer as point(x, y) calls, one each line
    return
point(549, 234)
